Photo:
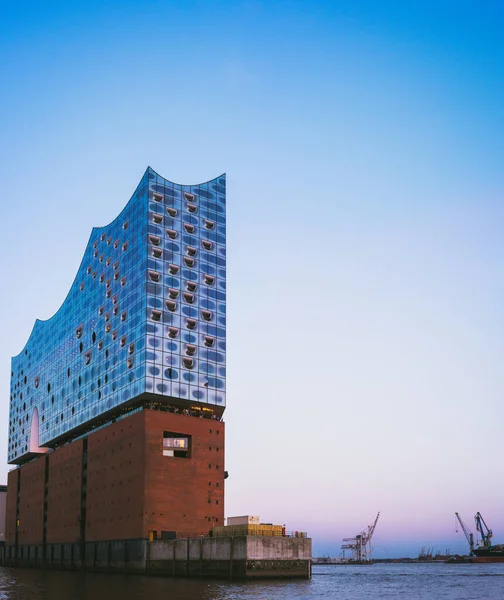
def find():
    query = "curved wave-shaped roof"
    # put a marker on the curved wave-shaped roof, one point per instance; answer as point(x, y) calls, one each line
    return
point(40, 324)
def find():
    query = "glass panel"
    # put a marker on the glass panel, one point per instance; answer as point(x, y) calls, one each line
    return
point(176, 443)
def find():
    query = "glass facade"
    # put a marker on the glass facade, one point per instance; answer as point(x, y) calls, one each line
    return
point(144, 318)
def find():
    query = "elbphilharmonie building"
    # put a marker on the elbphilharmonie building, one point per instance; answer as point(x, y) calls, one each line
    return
point(116, 404)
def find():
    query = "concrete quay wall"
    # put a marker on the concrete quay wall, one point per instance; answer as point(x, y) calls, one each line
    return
point(245, 557)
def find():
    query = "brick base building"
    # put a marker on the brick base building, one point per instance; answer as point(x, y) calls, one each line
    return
point(149, 475)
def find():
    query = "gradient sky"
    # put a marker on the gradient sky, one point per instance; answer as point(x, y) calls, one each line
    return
point(363, 143)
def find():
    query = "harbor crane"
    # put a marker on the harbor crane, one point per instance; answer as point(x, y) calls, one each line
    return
point(360, 545)
point(467, 533)
point(486, 534)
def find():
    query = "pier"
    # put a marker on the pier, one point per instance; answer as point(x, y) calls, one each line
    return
point(231, 558)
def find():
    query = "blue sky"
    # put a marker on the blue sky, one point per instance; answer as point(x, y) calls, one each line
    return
point(363, 144)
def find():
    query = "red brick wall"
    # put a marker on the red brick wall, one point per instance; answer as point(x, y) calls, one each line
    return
point(31, 503)
point(131, 487)
point(64, 493)
point(115, 478)
point(185, 495)
point(10, 516)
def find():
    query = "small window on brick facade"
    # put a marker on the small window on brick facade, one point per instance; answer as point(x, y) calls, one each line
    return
point(176, 445)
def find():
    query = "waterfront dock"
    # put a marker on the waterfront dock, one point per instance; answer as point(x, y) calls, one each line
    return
point(231, 558)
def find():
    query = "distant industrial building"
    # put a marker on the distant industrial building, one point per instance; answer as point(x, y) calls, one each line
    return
point(115, 423)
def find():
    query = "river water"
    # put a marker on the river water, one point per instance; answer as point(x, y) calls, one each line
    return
point(401, 581)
